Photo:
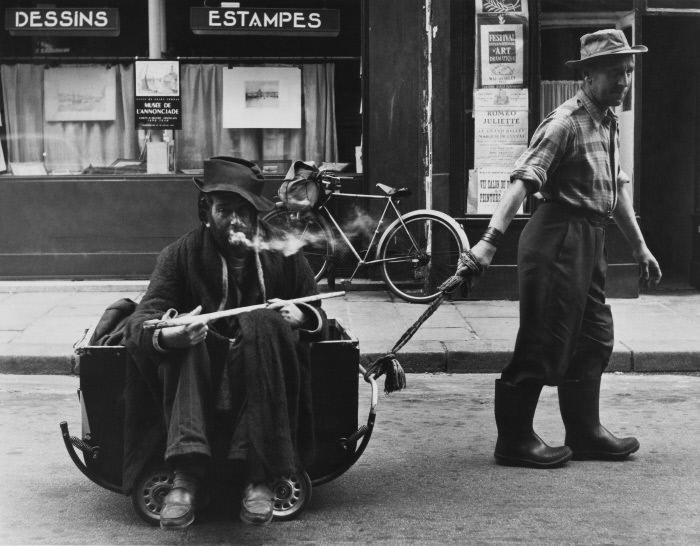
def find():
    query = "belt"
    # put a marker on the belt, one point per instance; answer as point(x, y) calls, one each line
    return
point(595, 218)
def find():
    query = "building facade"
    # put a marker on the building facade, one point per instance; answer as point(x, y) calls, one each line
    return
point(108, 109)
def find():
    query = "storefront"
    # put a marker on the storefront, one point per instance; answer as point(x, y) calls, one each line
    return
point(109, 107)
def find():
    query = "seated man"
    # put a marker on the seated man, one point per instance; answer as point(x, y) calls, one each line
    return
point(249, 371)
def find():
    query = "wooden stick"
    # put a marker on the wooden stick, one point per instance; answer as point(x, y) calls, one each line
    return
point(207, 317)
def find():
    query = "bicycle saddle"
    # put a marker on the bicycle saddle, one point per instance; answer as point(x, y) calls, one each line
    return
point(394, 192)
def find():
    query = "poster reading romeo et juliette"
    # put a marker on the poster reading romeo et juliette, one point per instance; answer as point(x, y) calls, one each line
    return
point(501, 50)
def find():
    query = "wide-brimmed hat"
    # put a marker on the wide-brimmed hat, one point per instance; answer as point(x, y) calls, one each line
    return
point(610, 41)
point(235, 175)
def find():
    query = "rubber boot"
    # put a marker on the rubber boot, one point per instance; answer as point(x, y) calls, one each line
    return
point(517, 443)
point(579, 405)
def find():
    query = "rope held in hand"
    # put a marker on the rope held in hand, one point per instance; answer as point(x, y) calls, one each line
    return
point(388, 364)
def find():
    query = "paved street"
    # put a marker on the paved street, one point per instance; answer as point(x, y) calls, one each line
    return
point(427, 476)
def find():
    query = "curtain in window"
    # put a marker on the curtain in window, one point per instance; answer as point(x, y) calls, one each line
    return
point(203, 134)
point(553, 93)
point(67, 145)
point(23, 103)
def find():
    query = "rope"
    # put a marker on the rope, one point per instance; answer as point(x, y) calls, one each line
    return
point(388, 364)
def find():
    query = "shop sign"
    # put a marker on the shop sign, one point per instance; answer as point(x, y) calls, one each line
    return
point(157, 97)
point(265, 21)
point(62, 21)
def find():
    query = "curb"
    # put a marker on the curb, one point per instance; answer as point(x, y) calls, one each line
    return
point(425, 357)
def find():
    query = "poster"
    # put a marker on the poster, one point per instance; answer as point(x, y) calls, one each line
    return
point(497, 155)
point(157, 94)
point(262, 97)
point(502, 6)
point(501, 96)
point(500, 125)
point(501, 50)
point(486, 187)
point(80, 93)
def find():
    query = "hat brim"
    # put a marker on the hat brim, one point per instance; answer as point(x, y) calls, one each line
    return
point(634, 50)
point(261, 203)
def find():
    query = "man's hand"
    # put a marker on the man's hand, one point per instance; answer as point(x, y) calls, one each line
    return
point(649, 270)
point(188, 335)
point(289, 311)
point(482, 253)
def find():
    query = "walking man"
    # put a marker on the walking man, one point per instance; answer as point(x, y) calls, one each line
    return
point(566, 328)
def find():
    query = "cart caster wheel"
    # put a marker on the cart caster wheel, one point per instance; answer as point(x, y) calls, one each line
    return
point(150, 490)
point(292, 493)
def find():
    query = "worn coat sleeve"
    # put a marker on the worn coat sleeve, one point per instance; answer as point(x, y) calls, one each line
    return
point(165, 291)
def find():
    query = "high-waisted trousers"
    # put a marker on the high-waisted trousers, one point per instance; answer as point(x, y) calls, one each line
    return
point(566, 328)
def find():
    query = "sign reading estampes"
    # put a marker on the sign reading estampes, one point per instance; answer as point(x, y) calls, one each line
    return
point(267, 21)
point(62, 21)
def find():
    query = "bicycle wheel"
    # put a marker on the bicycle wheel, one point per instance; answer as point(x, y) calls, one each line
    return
point(309, 230)
point(418, 256)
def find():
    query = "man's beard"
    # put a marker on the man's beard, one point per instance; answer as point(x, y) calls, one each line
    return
point(237, 240)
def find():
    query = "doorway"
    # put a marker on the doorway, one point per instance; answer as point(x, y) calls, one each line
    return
point(670, 143)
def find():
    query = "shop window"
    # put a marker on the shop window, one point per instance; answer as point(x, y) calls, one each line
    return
point(204, 132)
point(76, 119)
point(68, 117)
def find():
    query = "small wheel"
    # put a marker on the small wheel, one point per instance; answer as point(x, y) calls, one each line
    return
point(312, 231)
point(418, 258)
point(292, 493)
point(150, 490)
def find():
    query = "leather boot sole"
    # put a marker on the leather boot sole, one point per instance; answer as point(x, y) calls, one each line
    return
point(530, 463)
point(605, 455)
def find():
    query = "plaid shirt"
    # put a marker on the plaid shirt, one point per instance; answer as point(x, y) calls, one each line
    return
point(568, 159)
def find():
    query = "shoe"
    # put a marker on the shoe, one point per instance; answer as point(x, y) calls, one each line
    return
point(256, 506)
point(579, 403)
point(518, 444)
point(178, 509)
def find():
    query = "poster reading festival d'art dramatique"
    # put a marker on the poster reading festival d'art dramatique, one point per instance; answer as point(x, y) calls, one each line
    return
point(501, 40)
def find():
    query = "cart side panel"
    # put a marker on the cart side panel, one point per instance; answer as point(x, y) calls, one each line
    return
point(335, 383)
point(102, 371)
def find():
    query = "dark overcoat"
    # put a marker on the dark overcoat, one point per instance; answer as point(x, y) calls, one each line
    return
point(191, 272)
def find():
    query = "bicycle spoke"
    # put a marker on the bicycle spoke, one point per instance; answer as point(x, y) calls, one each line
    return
point(419, 257)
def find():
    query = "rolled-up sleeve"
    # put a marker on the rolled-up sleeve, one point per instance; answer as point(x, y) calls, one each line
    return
point(547, 147)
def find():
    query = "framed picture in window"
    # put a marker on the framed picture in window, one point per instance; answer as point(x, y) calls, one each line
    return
point(262, 97)
point(80, 93)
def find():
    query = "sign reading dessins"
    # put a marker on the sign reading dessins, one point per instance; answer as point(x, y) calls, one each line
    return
point(62, 21)
point(265, 21)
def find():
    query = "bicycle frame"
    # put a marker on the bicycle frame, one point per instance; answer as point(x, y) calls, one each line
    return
point(361, 260)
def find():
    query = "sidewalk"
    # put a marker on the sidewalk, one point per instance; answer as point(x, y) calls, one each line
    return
point(657, 332)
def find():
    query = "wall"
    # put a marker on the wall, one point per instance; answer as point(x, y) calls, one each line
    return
point(393, 149)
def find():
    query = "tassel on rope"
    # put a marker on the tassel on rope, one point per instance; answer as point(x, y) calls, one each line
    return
point(390, 366)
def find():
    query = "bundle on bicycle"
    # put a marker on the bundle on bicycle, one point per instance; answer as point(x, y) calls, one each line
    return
point(98, 451)
point(416, 253)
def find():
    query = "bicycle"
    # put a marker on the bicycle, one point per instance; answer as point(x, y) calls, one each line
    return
point(416, 252)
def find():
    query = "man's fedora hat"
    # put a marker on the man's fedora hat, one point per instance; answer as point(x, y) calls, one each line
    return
point(610, 41)
point(235, 175)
